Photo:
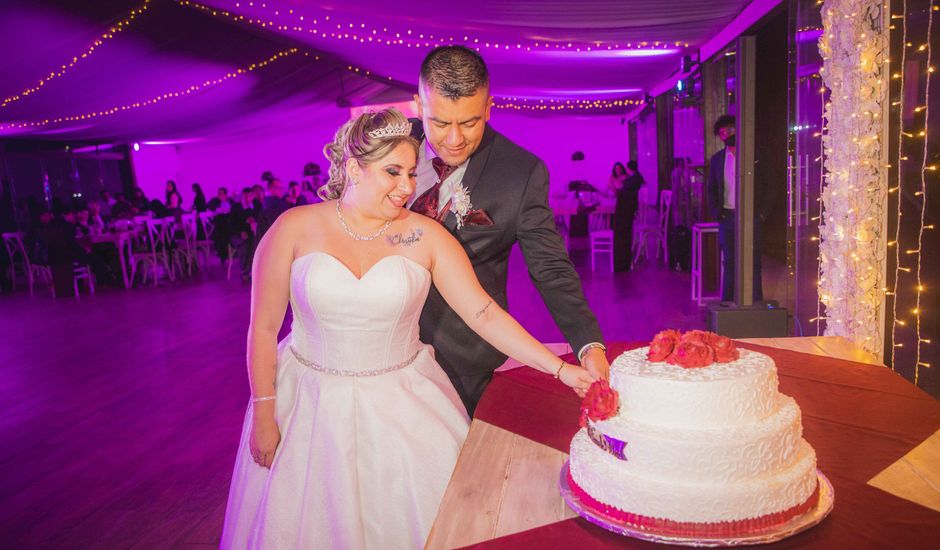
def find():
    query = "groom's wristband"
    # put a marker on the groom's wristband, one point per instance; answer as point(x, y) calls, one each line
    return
point(589, 346)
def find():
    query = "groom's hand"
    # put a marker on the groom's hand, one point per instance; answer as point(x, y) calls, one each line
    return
point(595, 361)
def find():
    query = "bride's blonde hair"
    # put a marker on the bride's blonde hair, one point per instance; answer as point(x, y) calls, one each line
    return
point(352, 141)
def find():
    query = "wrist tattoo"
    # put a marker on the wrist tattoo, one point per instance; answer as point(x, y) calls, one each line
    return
point(401, 239)
point(482, 311)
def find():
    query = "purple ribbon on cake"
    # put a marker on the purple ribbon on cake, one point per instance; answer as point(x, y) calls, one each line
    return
point(612, 445)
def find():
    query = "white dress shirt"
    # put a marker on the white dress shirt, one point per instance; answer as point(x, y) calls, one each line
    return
point(730, 187)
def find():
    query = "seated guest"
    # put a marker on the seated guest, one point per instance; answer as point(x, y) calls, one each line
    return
point(82, 223)
point(174, 200)
point(139, 200)
point(107, 202)
point(94, 215)
point(122, 209)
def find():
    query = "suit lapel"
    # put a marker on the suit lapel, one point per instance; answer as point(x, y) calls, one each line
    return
point(474, 173)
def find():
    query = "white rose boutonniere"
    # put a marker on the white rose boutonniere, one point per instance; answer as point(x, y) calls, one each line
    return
point(460, 204)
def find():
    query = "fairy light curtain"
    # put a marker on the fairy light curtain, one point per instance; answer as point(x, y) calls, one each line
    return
point(913, 206)
point(854, 48)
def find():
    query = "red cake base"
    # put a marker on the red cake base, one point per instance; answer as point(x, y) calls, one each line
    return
point(685, 529)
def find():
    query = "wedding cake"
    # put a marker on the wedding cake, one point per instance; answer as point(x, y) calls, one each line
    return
point(692, 438)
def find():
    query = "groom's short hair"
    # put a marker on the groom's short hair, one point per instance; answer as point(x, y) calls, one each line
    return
point(454, 72)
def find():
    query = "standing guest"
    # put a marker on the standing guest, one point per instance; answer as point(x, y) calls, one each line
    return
point(722, 202)
point(243, 227)
point(221, 203)
point(294, 196)
point(258, 197)
point(272, 206)
point(618, 175)
point(501, 193)
point(247, 199)
point(625, 182)
point(311, 183)
point(199, 200)
point(681, 195)
point(222, 206)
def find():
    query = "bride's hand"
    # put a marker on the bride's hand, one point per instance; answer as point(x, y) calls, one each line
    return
point(264, 439)
point(576, 378)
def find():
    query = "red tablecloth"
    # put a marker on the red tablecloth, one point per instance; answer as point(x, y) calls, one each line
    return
point(860, 419)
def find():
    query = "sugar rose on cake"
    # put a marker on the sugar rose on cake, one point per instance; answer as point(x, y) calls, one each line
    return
point(692, 354)
point(600, 403)
point(725, 350)
point(662, 345)
point(692, 349)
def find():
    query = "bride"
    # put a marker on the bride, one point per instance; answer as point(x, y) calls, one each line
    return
point(353, 429)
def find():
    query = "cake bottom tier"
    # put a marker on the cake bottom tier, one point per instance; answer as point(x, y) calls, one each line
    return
point(602, 477)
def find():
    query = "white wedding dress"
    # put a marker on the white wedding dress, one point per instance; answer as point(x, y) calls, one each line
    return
point(370, 424)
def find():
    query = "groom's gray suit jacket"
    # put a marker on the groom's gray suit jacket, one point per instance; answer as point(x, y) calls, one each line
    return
point(511, 185)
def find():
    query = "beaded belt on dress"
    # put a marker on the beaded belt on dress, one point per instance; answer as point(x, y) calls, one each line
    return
point(338, 372)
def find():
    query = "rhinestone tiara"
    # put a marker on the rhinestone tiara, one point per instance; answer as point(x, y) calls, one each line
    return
point(392, 130)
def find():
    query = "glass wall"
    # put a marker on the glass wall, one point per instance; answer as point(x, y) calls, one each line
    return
point(805, 168)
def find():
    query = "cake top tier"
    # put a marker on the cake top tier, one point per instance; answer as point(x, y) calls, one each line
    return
point(635, 363)
point(719, 395)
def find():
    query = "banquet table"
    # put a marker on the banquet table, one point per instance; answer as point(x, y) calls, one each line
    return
point(877, 439)
point(565, 208)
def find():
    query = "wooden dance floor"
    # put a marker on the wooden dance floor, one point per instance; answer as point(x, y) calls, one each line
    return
point(121, 412)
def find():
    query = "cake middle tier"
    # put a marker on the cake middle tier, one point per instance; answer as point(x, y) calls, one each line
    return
point(705, 455)
point(722, 394)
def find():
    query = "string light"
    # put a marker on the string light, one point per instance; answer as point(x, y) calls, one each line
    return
point(923, 201)
point(156, 99)
point(328, 27)
point(522, 104)
point(109, 34)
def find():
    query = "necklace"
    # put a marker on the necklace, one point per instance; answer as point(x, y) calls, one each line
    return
point(357, 236)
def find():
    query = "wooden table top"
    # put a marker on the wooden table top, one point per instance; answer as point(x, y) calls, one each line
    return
point(505, 483)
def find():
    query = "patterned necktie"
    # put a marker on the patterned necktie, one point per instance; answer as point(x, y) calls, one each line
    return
point(428, 202)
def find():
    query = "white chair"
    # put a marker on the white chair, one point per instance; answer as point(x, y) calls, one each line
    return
point(153, 251)
point(204, 246)
point(601, 237)
point(19, 260)
point(182, 235)
point(82, 273)
point(655, 234)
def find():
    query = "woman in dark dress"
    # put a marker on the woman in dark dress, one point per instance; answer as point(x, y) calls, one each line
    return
point(625, 183)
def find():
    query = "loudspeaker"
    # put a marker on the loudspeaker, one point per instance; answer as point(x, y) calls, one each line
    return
point(761, 320)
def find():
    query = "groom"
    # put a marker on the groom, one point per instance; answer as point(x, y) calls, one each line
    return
point(508, 190)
